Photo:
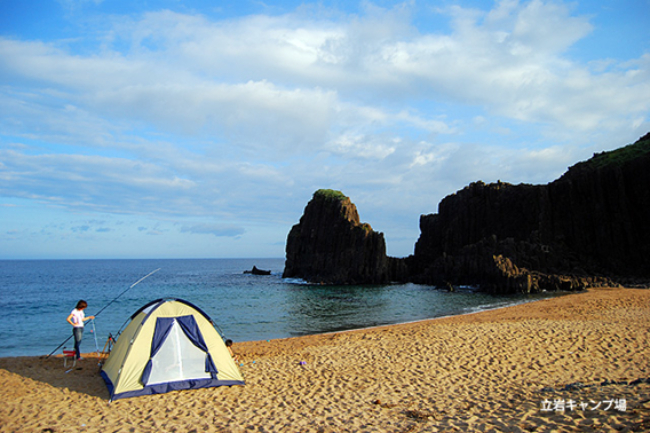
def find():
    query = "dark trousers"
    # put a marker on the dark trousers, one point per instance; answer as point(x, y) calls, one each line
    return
point(78, 334)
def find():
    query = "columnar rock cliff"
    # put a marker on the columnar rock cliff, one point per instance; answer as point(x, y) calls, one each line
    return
point(592, 222)
point(590, 226)
point(330, 245)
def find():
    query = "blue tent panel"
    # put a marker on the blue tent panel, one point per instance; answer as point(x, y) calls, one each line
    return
point(162, 388)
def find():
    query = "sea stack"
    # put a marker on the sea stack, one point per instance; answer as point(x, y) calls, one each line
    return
point(331, 246)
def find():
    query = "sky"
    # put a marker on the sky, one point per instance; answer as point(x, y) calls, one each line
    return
point(201, 129)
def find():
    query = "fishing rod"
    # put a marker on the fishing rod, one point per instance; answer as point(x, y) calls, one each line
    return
point(107, 305)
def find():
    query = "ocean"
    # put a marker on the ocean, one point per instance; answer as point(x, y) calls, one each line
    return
point(36, 297)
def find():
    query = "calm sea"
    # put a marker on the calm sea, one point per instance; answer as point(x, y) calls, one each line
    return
point(36, 296)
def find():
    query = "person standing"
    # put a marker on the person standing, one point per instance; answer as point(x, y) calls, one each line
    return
point(77, 318)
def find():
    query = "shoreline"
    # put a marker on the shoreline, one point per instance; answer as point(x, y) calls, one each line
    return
point(517, 299)
point(367, 328)
point(477, 371)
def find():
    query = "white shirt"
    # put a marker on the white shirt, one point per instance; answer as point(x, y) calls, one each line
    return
point(78, 317)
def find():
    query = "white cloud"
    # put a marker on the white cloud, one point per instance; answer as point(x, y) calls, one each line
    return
point(361, 146)
point(217, 230)
point(428, 154)
point(177, 114)
point(187, 74)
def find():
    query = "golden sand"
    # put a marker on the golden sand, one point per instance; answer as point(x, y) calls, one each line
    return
point(558, 365)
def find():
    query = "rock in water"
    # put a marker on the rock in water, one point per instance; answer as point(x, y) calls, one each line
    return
point(331, 246)
point(257, 271)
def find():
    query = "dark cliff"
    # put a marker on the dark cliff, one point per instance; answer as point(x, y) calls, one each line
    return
point(329, 245)
point(602, 210)
point(589, 227)
point(589, 223)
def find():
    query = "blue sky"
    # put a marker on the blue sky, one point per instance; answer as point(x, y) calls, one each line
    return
point(201, 129)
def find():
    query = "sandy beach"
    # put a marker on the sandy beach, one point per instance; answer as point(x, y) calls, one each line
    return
point(579, 362)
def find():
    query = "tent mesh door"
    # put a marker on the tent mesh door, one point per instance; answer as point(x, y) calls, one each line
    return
point(178, 359)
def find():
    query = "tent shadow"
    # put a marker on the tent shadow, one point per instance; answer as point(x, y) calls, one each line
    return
point(84, 378)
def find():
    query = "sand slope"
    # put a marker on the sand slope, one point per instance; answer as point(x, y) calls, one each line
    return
point(502, 370)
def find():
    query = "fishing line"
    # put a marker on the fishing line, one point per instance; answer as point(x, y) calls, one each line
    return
point(106, 306)
point(94, 332)
point(130, 287)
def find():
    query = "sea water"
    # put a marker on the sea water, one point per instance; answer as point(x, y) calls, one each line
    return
point(36, 297)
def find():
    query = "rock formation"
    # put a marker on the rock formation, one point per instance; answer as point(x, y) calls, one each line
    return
point(258, 271)
point(589, 227)
point(590, 223)
point(329, 245)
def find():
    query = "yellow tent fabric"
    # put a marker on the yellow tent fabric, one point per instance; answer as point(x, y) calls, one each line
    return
point(169, 344)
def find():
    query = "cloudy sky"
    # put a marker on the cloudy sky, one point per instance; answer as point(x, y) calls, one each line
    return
point(201, 129)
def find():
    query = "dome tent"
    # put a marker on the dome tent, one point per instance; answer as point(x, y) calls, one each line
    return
point(169, 344)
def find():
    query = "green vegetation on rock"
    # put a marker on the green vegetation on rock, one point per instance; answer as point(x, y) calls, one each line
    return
point(330, 194)
point(618, 157)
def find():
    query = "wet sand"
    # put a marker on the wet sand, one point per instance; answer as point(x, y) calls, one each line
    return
point(571, 363)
